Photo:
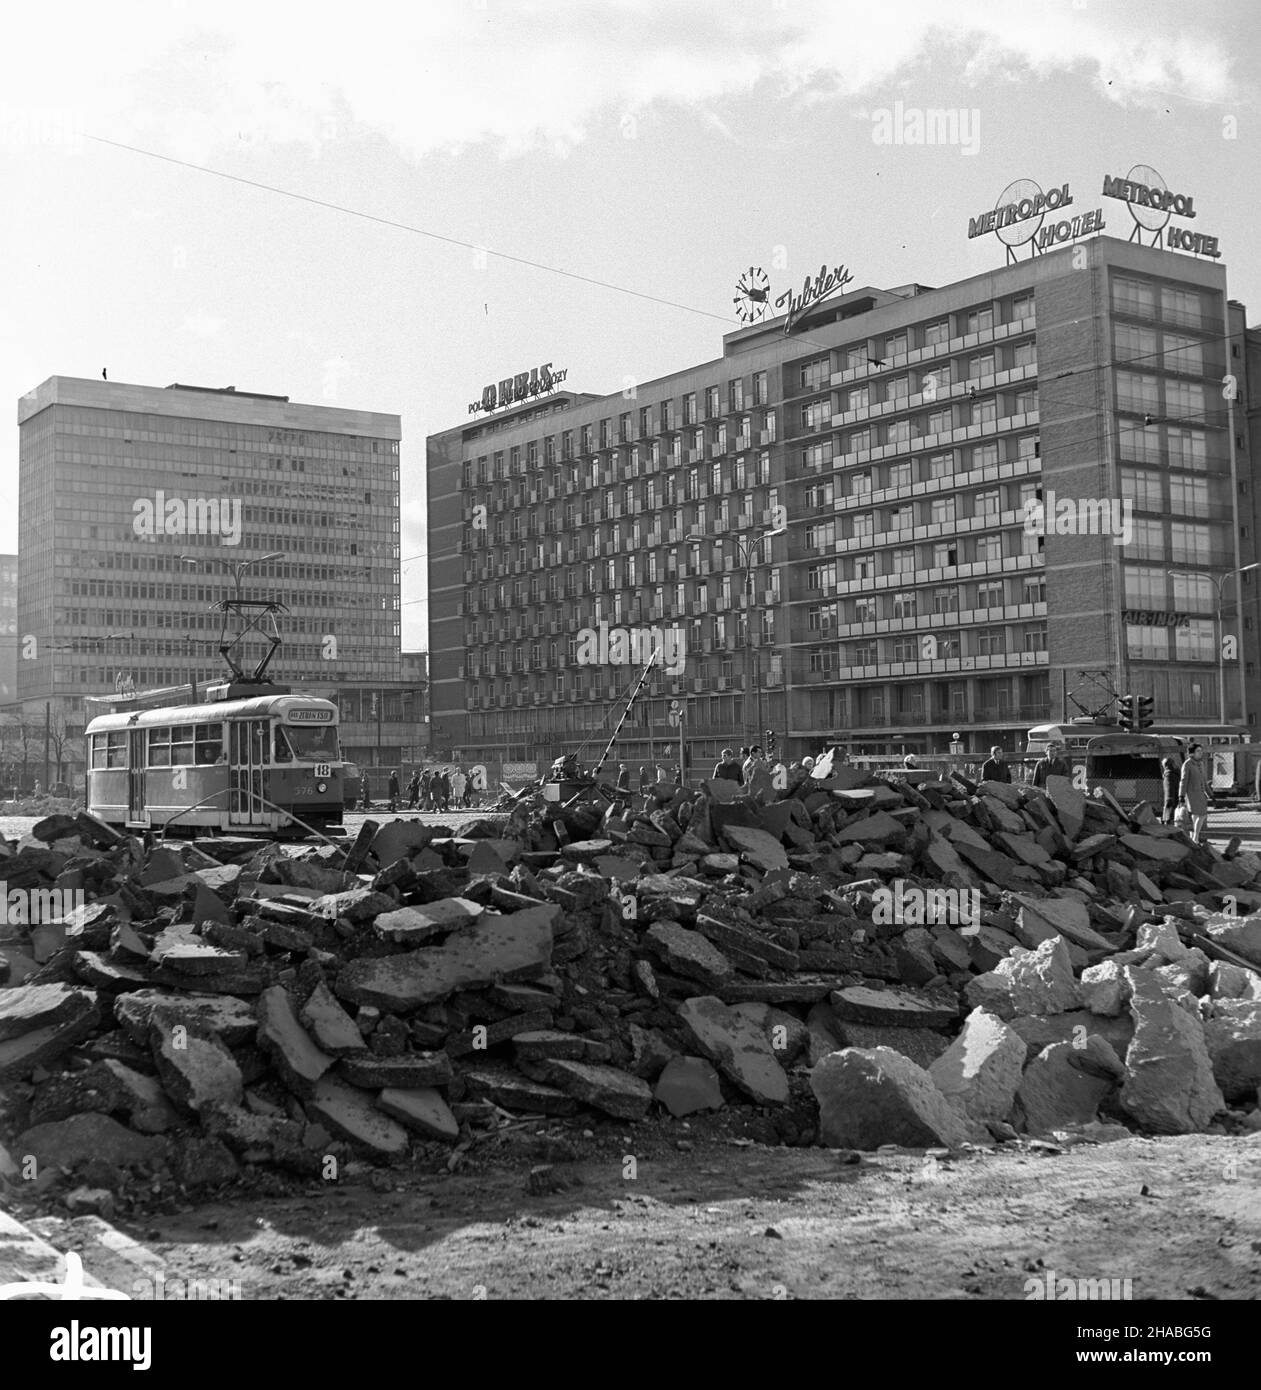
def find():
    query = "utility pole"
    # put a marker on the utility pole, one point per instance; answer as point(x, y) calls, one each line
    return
point(48, 729)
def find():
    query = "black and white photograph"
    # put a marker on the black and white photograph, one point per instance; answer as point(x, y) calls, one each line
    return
point(630, 659)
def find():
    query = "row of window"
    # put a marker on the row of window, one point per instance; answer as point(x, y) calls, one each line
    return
point(908, 647)
point(911, 603)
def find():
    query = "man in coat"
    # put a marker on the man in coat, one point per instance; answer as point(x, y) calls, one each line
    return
point(1053, 763)
point(728, 768)
point(1193, 792)
point(413, 789)
point(994, 769)
point(394, 790)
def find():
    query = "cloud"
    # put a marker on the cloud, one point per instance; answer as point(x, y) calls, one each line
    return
point(203, 325)
point(529, 75)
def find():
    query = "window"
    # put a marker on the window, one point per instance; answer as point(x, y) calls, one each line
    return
point(823, 660)
point(940, 465)
point(904, 561)
point(1144, 587)
point(813, 375)
point(863, 654)
point(948, 647)
point(1195, 642)
point(1133, 297)
point(987, 503)
point(935, 333)
point(1190, 543)
point(989, 595)
point(735, 393)
point(945, 554)
point(989, 549)
point(864, 567)
point(979, 320)
point(991, 641)
point(1144, 488)
point(937, 422)
point(1184, 398)
point(1183, 306)
point(1149, 539)
point(901, 518)
point(711, 402)
point(759, 388)
point(904, 604)
point(1034, 589)
point(1191, 592)
point(817, 415)
point(1188, 496)
point(1187, 448)
point(821, 617)
point(1024, 354)
point(945, 600)
point(942, 510)
point(981, 365)
point(984, 456)
point(1133, 344)
point(1147, 643)
point(862, 524)
point(857, 441)
point(109, 750)
point(860, 485)
point(859, 398)
point(1021, 307)
point(984, 411)
point(821, 576)
point(1025, 401)
point(864, 610)
point(815, 458)
point(905, 649)
point(898, 389)
point(854, 357)
point(1034, 639)
point(898, 476)
point(897, 432)
point(821, 535)
point(689, 408)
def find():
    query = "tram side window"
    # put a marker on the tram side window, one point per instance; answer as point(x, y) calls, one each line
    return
point(209, 741)
point(185, 744)
point(109, 750)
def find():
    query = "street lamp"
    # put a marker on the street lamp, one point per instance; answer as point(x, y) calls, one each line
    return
point(238, 567)
point(1221, 628)
point(748, 550)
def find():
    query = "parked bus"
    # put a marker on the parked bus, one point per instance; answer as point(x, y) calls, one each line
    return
point(265, 762)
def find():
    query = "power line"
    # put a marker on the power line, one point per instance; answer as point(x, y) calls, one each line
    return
point(407, 227)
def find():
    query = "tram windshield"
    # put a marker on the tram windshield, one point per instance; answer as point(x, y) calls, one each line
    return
point(316, 743)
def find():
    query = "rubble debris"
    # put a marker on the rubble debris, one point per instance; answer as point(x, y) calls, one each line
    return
point(939, 961)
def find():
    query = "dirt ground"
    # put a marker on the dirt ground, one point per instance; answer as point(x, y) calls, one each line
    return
point(727, 1218)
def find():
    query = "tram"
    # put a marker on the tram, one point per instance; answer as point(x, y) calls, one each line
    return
point(247, 759)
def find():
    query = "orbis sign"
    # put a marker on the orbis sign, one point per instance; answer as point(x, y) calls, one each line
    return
point(512, 390)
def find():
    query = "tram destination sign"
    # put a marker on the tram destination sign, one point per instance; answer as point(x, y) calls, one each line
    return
point(309, 716)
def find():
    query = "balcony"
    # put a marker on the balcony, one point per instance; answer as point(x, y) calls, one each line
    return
point(768, 436)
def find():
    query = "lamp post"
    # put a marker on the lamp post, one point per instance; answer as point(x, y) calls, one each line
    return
point(1218, 583)
point(747, 551)
point(237, 567)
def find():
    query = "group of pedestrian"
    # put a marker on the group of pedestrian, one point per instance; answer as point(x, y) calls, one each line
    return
point(430, 789)
point(740, 770)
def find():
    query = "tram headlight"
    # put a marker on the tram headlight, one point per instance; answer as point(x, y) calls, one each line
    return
point(321, 786)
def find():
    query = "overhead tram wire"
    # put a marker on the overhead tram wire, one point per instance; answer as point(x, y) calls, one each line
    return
point(406, 227)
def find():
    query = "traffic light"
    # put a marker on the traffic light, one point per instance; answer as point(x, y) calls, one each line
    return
point(1144, 714)
point(1126, 718)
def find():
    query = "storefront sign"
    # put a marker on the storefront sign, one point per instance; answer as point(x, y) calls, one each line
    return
point(1146, 617)
point(1151, 204)
point(826, 282)
point(512, 390)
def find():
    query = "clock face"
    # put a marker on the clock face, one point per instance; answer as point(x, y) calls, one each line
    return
point(753, 291)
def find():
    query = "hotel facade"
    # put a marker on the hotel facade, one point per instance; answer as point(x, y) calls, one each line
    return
point(921, 514)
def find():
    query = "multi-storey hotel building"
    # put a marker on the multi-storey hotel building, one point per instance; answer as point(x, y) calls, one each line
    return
point(920, 513)
point(140, 508)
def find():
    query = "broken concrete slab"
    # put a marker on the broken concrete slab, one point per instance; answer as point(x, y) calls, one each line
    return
point(68, 1144)
point(350, 1112)
point(1103, 988)
point(40, 1047)
point(981, 1069)
point(331, 1028)
point(411, 925)
point(1067, 916)
point(512, 1091)
point(891, 1007)
point(511, 946)
point(606, 1088)
point(233, 1021)
point(28, 1007)
point(422, 1110)
point(869, 1098)
point(1054, 1092)
point(1170, 1088)
point(1233, 1038)
point(688, 1084)
point(196, 1070)
point(761, 849)
point(737, 1046)
point(1028, 982)
point(689, 954)
point(413, 1071)
point(300, 1063)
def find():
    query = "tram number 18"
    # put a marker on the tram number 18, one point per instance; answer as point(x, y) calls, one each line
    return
point(323, 770)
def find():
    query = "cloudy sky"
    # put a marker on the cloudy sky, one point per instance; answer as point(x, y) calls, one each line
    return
point(638, 153)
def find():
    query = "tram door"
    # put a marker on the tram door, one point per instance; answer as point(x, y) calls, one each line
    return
point(137, 813)
point(247, 758)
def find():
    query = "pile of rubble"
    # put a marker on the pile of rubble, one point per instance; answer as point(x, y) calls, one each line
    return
point(867, 962)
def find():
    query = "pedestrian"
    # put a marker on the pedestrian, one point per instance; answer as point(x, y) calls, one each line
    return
point(39, 787)
point(468, 789)
point(365, 791)
point(728, 769)
point(623, 778)
point(994, 769)
point(1053, 763)
point(1193, 792)
point(1169, 777)
point(645, 778)
point(443, 793)
point(426, 779)
point(910, 764)
point(752, 762)
point(394, 790)
point(413, 789)
point(663, 773)
point(458, 783)
point(808, 763)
